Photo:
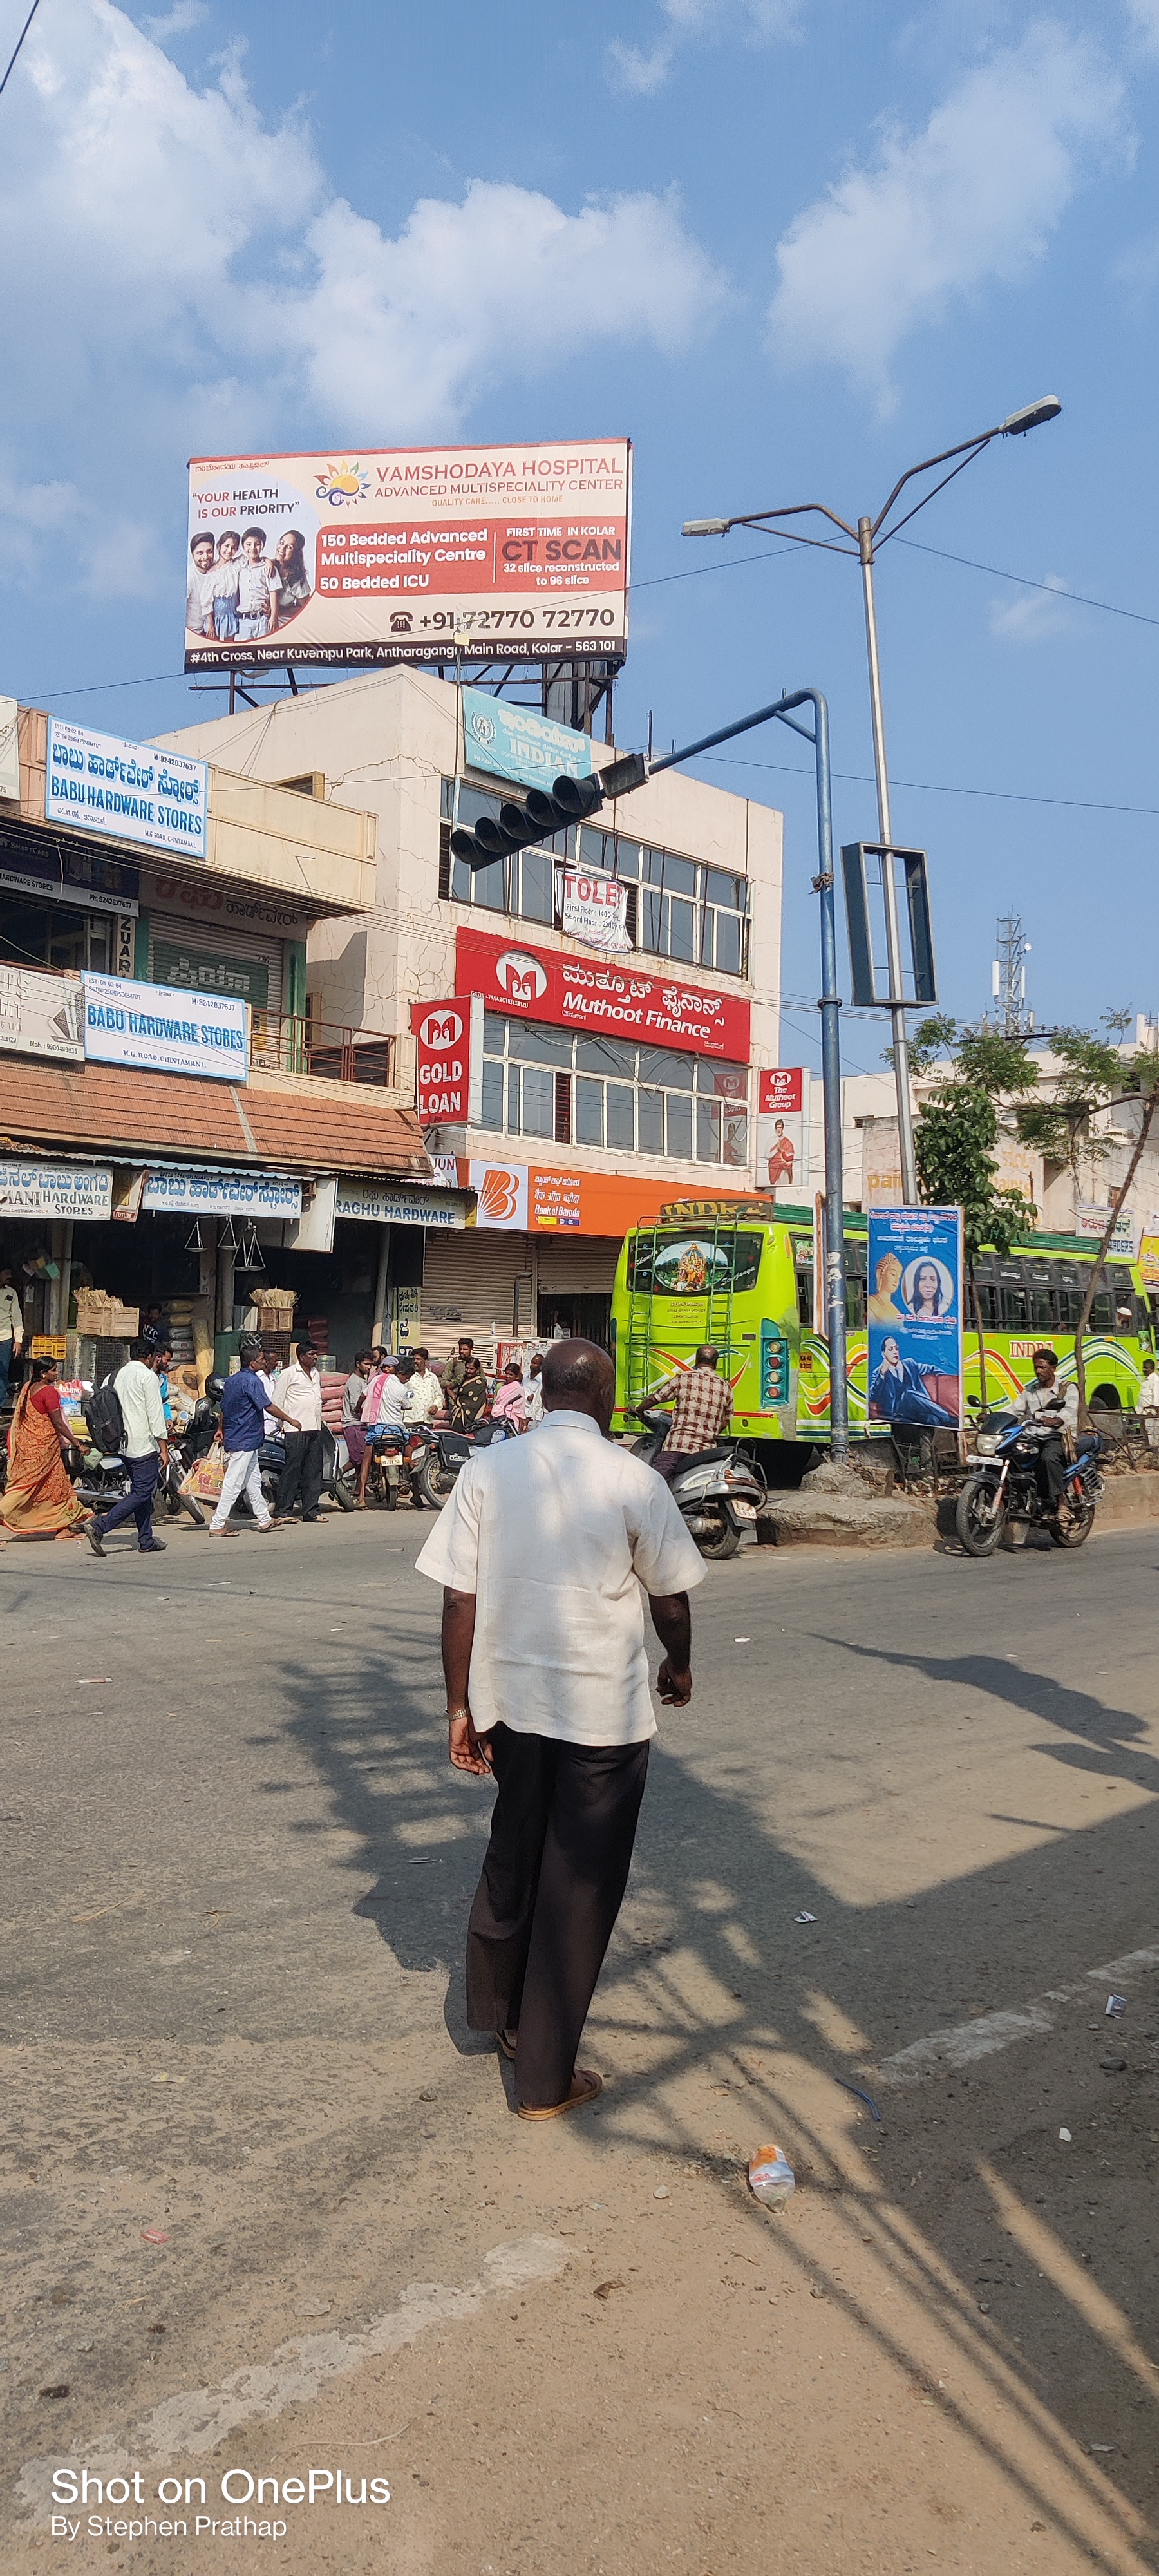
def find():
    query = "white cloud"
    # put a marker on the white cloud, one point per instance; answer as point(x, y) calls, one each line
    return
point(180, 277)
point(968, 202)
point(644, 69)
point(178, 21)
point(1037, 617)
point(1143, 22)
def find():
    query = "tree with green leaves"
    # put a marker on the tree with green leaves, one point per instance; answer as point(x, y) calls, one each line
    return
point(957, 1134)
point(1092, 1077)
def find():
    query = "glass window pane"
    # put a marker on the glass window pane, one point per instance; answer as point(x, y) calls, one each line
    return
point(682, 931)
point(538, 1102)
point(621, 1121)
point(680, 1124)
point(537, 1045)
point(480, 885)
point(537, 885)
point(447, 799)
point(492, 1115)
point(628, 859)
point(662, 1064)
point(589, 1113)
point(707, 1131)
point(473, 806)
point(651, 908)
point(494, 1034)
point(729, 891)
point(724, 1081)
point(596, 848)
point(605, 1055)
point(729, 930)
point(651, 1110)
point(736, 1136)
point(679, 875)
point(707, 921)
point(513, 1081)
point(654, 866)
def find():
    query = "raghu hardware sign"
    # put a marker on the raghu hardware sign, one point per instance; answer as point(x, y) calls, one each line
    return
point(56, 1189)
point(146, 1026)
point(377, 1204)
point(609, 1001)
point(128, 789)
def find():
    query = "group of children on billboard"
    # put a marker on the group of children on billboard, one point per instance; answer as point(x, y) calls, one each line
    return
point(236, 591)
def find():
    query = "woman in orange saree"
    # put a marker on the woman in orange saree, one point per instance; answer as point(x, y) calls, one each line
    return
point(39, 1501)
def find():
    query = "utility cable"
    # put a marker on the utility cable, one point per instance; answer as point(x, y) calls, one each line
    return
point(17, 46)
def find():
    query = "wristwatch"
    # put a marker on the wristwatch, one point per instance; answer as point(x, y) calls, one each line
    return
point(453, 1713)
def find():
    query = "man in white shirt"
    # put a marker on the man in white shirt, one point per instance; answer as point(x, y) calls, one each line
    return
point(545, 1550)
point(138, 1391)
point(298, 1393)
point(426, 1390)
point(1056, 1408)
point(1146, 1402)
point(385, 1415)
point(11, 1330)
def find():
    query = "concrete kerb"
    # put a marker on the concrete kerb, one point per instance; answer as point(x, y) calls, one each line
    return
point(850, 1518)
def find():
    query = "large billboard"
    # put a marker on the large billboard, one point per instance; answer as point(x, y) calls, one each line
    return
point(395, 553)
point(661, 1010)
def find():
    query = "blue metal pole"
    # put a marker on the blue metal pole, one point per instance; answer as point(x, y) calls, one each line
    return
point(833, 1303)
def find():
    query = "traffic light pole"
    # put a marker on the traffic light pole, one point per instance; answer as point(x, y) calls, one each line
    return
point(782, 712)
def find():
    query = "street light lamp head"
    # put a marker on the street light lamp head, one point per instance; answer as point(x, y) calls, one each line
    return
point(706, 527)
point(1031, 417)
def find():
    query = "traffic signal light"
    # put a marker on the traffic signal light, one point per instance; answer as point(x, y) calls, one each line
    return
point(540, 817)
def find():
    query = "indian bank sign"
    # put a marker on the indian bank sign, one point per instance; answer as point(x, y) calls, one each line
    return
point(443, 1031)
point(607, 997)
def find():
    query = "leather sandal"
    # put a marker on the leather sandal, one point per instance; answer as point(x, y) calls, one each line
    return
point(585, 2084)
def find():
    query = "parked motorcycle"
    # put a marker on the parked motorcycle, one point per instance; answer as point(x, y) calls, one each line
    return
point(102, 1481)
point(718, 1494)
point(429, 1460)
point(1004, 1486)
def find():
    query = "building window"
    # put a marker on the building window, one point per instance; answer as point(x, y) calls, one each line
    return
point(677, 908)
point(566, 1088)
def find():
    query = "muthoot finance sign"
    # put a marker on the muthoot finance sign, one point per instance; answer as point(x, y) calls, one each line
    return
point(156, 1030)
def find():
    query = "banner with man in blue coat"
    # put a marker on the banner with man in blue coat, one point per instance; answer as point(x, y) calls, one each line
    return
point(914, 1316)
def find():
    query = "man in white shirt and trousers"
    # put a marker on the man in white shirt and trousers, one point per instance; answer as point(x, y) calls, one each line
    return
point(146, 1448)
point(545, 1550)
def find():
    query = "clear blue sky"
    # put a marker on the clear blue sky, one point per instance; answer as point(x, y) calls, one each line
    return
point(789, 246)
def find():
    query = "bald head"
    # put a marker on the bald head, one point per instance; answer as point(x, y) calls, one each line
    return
point(578, 1377)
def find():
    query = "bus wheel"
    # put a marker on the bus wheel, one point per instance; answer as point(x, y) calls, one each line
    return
point(723, 1540)
point(979, 1520)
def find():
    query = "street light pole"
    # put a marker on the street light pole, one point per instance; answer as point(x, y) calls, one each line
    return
point(866, 537)
point(905, 1124)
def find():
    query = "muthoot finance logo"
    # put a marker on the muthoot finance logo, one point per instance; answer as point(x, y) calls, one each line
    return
point(343, 484)
point(440, 1031)
point(521, 977)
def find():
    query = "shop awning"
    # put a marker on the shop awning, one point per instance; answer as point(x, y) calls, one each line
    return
point(131, 1117)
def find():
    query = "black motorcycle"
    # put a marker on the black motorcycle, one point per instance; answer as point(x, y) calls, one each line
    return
point(718, 1493)
point(1004, 1485)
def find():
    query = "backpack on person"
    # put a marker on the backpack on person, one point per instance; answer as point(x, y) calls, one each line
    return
point(105, 1420)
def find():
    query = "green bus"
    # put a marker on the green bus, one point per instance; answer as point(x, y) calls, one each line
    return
point(733, 1273)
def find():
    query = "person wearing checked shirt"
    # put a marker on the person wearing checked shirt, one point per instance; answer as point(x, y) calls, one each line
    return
point(702, 1405)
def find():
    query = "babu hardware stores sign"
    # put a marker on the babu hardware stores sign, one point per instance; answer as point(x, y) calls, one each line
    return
point(130, 790)
point(146, 1026)
point(409, 554)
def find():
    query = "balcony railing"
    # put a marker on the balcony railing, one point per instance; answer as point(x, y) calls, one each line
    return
point(283, 1042)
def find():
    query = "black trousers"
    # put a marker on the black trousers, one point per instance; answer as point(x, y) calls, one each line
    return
point(553, 1883)
point(137, 1504)
point(302, 1470)
point(1050, 1470)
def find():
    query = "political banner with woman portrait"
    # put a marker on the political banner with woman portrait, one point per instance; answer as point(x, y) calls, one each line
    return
point(914, 1317)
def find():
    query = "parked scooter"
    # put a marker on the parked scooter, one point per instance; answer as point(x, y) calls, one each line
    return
point(718, 1494)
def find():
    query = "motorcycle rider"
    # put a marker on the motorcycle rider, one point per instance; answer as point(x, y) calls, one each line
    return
point(702, 1403)
point(1057, 1407)
point(384, 1415)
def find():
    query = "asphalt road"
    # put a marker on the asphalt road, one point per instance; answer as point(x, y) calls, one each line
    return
point(264, 2194)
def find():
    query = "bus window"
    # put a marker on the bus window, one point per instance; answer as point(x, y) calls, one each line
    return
point(1102, 1319)
point(694, 1265)
point(1069, 1303)
point(854, 1302)
point(990, 1300)
point(1015, 1307)
point(805, 1299)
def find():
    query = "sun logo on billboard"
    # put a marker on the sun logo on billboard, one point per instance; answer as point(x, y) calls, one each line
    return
point(342, 484)
point(499, 1196)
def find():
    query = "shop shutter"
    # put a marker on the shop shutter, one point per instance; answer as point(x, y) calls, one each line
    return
point(577, 1265)
point(173, 934)
point(469, 1286)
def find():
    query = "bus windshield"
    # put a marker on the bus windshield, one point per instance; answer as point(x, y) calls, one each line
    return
point(688, 1264)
